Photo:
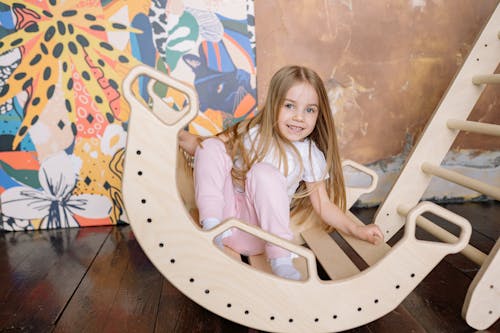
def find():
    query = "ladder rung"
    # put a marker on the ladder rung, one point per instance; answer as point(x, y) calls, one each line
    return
point(460, 179)
point(486, 79)
point(474, 126)
point(444, 235)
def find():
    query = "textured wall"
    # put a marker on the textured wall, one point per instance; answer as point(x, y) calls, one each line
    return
point(387, 63)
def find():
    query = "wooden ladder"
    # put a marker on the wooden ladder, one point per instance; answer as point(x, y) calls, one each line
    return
point(482, 304)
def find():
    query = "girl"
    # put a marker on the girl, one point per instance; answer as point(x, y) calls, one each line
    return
point(263, 169)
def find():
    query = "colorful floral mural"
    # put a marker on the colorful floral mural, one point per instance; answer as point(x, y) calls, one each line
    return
point(63, 118)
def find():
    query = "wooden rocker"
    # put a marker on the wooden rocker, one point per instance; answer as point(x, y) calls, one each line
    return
point(188, 258)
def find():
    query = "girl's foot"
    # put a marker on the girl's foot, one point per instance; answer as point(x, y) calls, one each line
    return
point(212, 222)
point(284, 267)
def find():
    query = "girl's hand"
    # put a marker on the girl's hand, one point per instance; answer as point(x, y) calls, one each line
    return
point(188, 142)
point(370, 233)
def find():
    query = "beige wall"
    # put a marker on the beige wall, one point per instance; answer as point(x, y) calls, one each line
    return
point(393, 58)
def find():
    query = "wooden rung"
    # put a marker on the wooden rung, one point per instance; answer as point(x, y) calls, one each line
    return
point(442, 234)
point(474, 126)
point(462, 180)
point(300, 264)
point(334, 261)
point(486, 79)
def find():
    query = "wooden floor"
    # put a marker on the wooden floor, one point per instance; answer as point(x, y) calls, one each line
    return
point(99, 280)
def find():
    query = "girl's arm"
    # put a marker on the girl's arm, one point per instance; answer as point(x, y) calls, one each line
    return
point(334, 216)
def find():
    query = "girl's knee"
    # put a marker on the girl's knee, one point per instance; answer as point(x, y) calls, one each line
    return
point(265, 170)
point(267, 174)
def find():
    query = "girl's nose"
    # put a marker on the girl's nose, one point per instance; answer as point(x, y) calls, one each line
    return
point(298, 115)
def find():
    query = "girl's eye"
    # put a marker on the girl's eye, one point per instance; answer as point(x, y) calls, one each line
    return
point(310, 110)
point(289, 105)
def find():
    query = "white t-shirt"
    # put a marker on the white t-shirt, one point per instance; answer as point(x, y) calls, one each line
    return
point(314, 163)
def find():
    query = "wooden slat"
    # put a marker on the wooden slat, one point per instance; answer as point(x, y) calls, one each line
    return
point(370, 253)
point(300, 264)
point(331, 257)
point(260, 262)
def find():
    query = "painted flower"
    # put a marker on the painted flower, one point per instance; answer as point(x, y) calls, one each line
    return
point(55, 203)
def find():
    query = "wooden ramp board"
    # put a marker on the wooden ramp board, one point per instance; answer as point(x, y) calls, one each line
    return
point(331, 257)
point(186, 256)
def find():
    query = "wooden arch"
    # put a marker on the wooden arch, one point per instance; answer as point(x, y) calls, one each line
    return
point(187, 257)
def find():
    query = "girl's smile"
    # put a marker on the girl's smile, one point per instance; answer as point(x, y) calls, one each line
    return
point(299, 112)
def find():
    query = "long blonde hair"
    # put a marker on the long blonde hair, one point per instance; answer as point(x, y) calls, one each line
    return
point(323, 135)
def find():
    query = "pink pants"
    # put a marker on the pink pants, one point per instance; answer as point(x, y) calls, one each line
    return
point(264, 202)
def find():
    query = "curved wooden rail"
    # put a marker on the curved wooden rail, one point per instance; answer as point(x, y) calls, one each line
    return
point(187, 257)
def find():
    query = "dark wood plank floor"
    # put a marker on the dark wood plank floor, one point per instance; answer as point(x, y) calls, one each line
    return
point(99, 280)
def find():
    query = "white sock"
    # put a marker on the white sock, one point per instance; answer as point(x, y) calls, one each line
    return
point(212, 222)
point(284, 267)
point(209, 223)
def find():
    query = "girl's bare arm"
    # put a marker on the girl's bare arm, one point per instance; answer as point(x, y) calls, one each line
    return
point(334, 216)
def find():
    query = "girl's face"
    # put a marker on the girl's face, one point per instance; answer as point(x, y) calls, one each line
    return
point(298, 115)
